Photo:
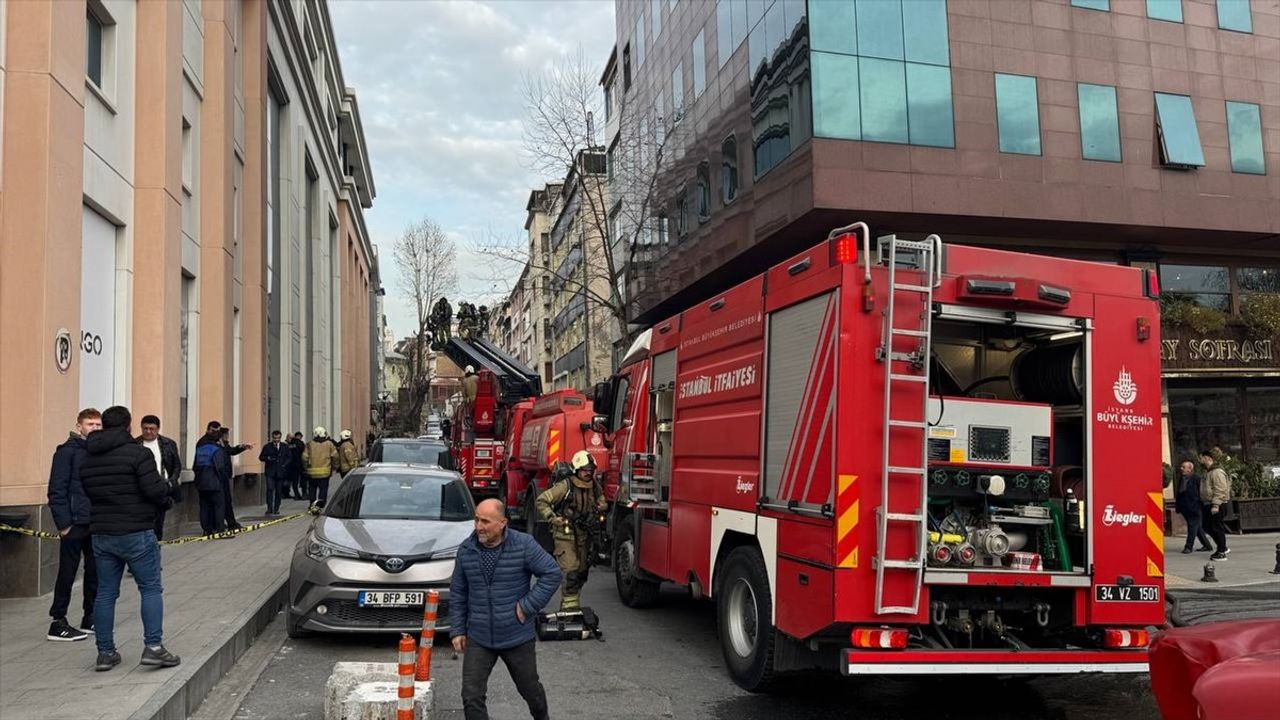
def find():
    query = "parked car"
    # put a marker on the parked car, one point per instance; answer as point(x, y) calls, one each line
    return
point(388, 534)
point(408, 450)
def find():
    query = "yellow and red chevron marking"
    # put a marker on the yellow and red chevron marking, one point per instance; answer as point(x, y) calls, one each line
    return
point(847, 521)
point(1155, 534)
point(553, 447)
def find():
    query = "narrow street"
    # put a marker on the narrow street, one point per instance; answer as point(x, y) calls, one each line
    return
point(666, 663)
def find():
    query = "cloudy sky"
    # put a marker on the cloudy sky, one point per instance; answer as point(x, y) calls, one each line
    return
point(438, 84)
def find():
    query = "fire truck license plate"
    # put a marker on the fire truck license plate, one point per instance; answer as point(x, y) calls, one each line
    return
point(1127, 593)
point(389, 598)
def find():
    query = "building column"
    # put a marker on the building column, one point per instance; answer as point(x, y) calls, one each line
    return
point(157, 233)
point(253, 203)
point(40, 241)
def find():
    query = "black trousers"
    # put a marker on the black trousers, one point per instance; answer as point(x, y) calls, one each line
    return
point(211, 511)
point(75, 545)
point(1195, 531)
point(1216, 527)
point(228, 505)
point(276, 486)
point(521, 662)
point(319, 490)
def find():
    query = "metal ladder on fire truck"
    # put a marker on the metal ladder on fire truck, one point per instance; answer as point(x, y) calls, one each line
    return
point(918, 288)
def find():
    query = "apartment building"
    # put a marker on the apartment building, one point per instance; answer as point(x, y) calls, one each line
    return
point(183, 186)
point(1123, 131)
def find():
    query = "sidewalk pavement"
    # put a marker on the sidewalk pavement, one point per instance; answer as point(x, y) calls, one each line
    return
point(217, 596)
point(1251, 561)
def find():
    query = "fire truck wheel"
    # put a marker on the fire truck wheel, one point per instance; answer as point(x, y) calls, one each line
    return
point(634, 591)
point(744, 609)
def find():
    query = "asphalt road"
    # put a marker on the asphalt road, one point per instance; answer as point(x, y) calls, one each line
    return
point(666, 663)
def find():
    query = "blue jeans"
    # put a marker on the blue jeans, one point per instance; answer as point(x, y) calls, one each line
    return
point(141, 553)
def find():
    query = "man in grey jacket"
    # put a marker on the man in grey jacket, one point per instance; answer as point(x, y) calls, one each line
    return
point(1215, 492)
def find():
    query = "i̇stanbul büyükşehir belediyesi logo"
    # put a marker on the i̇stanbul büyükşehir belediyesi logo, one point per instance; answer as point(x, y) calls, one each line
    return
point(1126, 391)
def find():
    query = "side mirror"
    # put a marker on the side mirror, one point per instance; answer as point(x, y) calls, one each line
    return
point(600, 424)
point(602, 399)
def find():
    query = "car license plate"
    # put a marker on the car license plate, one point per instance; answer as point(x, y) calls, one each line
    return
point(1127, 593)
point(389, 598)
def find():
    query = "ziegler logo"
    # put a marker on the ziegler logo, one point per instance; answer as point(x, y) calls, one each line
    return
point(1111, 517)
point(1126, 390)
point(744, 486)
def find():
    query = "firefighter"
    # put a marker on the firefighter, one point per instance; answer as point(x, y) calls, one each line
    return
point(470, 385)
point(348, 456)
point(573, 507)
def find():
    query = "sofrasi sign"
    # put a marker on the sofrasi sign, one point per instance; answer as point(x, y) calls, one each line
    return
point(1206, 349)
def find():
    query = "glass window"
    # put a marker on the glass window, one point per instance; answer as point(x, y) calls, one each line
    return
point(640, 41)
point(729, 170)
point(757, 51)
point(1208, 286)
point(704, 191)
point(1235, 15)
point(883, 91)
point(924, 25)
point(1092, 4)
point(1258, 279)
point(880, 29)
point(402, 496)
point(1017, 114)
point(1203, 418)
point(775, 22)
point(724, 29)
point(1244, 132)
point(755, 11)
point(835, 96)
point(929, 118)
point(1099, 122)
point(833, 26)
point(1264, 424)
point(738, 22)
point(677, 92)
point(682, 212)
point(793, 13)
point(1170, 10)
point(1176, 125)
point(93, 56)
point(699, 66)
point(656, 7)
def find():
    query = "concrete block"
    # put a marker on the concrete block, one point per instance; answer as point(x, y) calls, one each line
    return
point(368, 691)
point(377, 701)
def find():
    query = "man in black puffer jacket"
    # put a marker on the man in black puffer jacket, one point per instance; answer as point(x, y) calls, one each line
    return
point(125, 495)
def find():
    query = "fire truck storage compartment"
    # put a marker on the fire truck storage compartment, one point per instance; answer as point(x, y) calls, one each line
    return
point(1005, 426)
point(663, 390)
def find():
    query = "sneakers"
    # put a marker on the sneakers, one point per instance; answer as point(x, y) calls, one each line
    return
point(86, 625)
point(159, 657)
point(1219, 556)
point(1187, 551)
point(61, 631)
point(106, 661)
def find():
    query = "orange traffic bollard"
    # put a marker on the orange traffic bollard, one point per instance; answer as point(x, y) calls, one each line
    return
point(428, 636)
point(404, 702)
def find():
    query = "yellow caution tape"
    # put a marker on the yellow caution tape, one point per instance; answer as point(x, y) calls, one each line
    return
point(175, 541)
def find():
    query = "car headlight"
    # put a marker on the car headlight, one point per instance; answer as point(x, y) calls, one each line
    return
point(318, 549)
point(446, 554)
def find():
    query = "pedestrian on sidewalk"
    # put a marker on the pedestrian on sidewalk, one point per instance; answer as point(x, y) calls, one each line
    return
point(492, 608)
point(1215, 493)
point(168, 463)
point(211, 465)
point(275, 457)
point(70, 509)
point(297, 479)
point(1187, 503)
point(348, 456)
point(125, 493)
point(320, 459)
point(228, 499)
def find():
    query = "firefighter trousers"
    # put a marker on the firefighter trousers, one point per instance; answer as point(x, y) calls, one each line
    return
point(573, 556)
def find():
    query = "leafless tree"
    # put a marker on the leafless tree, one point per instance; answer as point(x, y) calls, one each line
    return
point(426, 259)
point(620, 221)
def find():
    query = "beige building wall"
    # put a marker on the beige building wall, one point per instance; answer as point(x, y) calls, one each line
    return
point(134, 230)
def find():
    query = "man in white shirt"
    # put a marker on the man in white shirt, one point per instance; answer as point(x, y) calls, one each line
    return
point(168, 462)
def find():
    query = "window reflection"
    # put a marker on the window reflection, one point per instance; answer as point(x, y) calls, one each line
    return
point(1099, 122)
point(884, 100)
point(1176, 124)
point(778, 51)
point(1244, 132)
point(929, 118)
point(1017, 114)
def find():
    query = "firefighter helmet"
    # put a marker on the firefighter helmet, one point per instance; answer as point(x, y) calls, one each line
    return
point(321, 432)
point(582, 459)
point(345, 435)
point(470, 370)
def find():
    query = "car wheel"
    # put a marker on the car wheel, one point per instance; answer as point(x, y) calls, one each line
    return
point(633, 590)
point(293, 626)
point(744, 609)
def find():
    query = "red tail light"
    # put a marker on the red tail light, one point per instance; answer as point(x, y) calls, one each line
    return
point(879, 638)
point(1115, 638)
point(846, 248)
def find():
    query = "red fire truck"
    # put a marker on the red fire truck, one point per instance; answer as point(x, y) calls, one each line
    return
point(542, 433)
point(897, 456)
point(478, 430)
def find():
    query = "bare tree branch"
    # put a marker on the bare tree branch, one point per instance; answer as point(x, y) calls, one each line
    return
point(427, 262)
